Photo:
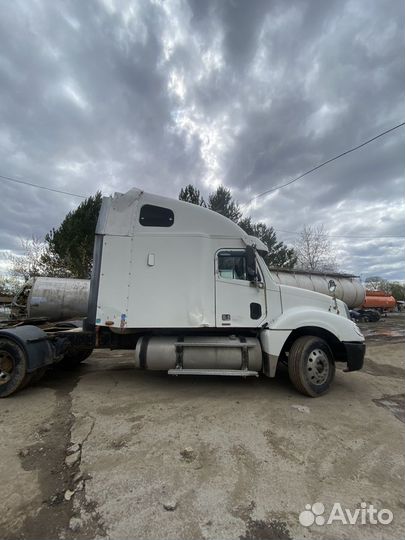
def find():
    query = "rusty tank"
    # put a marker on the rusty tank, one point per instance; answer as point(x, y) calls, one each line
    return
point(379, 300)
point(53, 299)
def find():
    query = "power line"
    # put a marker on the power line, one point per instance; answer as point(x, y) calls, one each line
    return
point(26, 183)
point(10, 179)
point(325, 163)
point(350, 235)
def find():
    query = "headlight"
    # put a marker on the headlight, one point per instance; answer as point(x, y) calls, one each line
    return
point(357, 330)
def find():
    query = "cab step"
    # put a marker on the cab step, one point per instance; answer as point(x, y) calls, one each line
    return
point(223, 372)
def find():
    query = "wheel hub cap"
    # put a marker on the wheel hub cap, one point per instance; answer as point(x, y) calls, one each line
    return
point(6, 367)
point(318, 367)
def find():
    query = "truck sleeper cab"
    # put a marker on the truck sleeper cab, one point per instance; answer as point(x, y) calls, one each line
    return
point(188, 290)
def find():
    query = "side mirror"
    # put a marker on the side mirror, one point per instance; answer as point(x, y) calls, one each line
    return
point(331, 286)
point(332, 290)
point(251, 268)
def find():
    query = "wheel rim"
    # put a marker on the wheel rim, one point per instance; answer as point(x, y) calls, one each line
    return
point(6, 367)
point(318, 367)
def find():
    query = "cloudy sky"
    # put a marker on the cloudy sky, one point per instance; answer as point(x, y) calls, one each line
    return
point(112, 94)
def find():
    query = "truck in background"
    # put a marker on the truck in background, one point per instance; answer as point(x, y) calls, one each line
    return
point(188, 291)
point(379, 300)
point(375, 304)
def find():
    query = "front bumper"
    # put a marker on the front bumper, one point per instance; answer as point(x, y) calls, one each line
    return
point(355, 352)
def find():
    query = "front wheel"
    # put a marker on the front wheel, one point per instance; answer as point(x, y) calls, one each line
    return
point(311, 366)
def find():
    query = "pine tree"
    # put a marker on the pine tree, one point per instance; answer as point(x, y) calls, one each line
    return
point(192, 195)
point(279, 254)
point(221, 201)
point(69, 248)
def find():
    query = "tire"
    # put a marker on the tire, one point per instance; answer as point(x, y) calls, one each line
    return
point(26, 381)
point(38, 374)
point(311, 366)
point(13, 368)
point(74, 358)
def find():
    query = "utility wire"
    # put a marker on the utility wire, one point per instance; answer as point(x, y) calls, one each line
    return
point(325, 163)
point(31, 184)
point(26, 183)
point(278, 230)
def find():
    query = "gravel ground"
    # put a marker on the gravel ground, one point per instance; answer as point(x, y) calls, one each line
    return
point(111, 452)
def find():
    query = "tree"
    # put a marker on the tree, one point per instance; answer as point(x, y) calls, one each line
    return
point(377, 283)
point(192, 195)
point(29, 264)
point(279, 254)
point(397, 290)
point(221, 201)
point(9, 285)
point(314, 250)
point(69, 250)
point(394, 288)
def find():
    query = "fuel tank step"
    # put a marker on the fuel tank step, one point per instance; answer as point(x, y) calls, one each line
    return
point(223, 372)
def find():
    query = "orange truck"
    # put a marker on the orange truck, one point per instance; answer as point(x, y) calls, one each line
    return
point(379, 300)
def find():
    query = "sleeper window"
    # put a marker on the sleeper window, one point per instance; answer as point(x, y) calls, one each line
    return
point(156, 216)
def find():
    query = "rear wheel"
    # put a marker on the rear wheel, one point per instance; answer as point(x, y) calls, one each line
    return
point(13, 368)
point(311, 366)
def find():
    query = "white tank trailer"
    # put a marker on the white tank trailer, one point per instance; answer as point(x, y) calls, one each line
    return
point(53, 299)
point(349, 288)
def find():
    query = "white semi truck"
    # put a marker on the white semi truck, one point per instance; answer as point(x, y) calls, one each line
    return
point(188, 291)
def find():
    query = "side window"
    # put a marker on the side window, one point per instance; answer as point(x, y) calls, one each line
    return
point(232, 265)
point(156, 216)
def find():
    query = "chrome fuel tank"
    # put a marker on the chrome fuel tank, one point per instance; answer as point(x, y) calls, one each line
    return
point(198, 352)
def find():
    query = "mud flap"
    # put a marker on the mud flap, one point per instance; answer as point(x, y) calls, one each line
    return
point(272, 342)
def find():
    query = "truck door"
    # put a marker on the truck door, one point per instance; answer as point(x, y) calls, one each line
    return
point(239, 302)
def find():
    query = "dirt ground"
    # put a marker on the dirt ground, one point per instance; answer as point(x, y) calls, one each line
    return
point(111, 452)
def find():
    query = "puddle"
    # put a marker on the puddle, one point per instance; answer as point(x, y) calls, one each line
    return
point(382, 370)
point(392, 327)
point(261, 530)
point(395, 404)
point(383, 333)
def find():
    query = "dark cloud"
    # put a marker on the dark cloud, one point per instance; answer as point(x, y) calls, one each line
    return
point(242, 23)
point(109, 94)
